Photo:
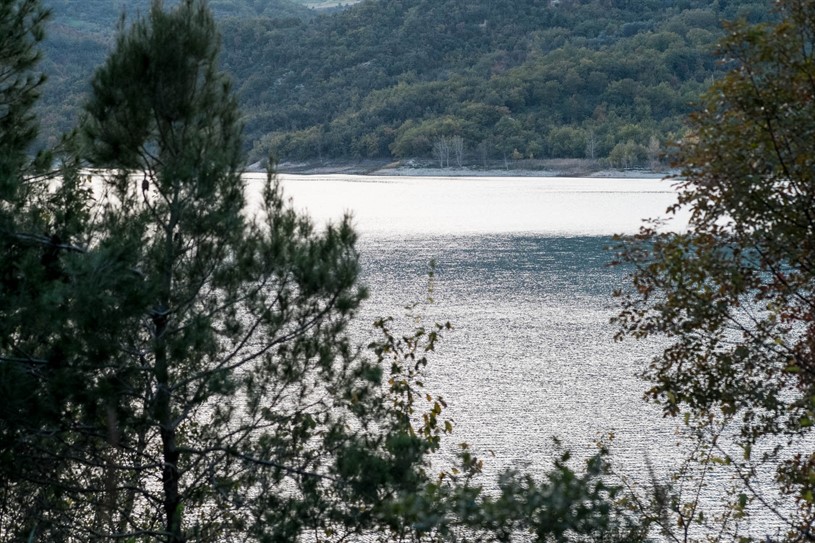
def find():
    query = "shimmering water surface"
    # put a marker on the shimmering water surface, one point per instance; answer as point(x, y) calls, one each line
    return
point(522, 274)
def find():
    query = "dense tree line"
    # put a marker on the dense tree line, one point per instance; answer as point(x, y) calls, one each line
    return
point(590, 78)
point(528, 78)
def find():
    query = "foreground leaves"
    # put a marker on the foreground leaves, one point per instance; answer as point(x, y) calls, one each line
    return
point(734, 295)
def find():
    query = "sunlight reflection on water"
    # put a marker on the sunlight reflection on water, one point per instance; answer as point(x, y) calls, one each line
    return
point(522, 274)
point(532, 354)
point(414, 206)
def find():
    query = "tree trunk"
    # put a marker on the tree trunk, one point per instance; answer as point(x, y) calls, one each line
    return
point(170, 472)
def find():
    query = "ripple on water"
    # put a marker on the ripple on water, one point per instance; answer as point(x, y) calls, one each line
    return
point(532, 354)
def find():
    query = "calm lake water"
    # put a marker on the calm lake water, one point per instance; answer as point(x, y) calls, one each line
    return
point(522, 274)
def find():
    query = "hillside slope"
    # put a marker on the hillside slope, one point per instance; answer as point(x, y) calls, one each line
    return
point(522, 78)
point(80, 33)
point(483, 79)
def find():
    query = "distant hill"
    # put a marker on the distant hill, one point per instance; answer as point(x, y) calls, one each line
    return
point(80, 33)
point(511, 78)
point(497, 79)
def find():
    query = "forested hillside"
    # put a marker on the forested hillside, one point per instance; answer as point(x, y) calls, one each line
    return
point(80, 34)
point(521, 78)
point(491, 79)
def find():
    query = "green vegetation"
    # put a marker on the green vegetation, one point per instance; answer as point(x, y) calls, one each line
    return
point(529, 78)
point(734, 295)
point(599, 79)
point(174, 370)
point(81, 34)
point(22, 27)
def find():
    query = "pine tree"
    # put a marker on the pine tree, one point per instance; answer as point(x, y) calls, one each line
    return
point(241, 383)
point(21, 28)
point(174, 349)
point(23, 246)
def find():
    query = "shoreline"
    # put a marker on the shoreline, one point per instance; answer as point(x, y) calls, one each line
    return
point(465, 172)
point(416, 168)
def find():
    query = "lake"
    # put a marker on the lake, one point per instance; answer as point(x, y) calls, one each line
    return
point(522, 274)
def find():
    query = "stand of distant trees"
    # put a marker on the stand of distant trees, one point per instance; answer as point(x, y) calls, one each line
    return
point(594, 79)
